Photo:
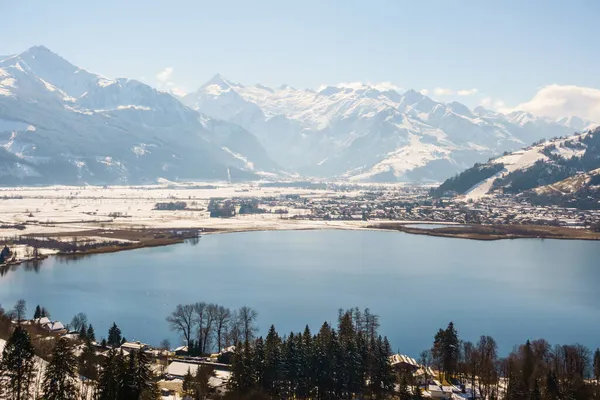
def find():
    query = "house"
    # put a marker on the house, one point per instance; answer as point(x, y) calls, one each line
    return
point(424, 375)
point(218, 382)
point(55, 327)
point(134, 346)
point(438, 392)
point(42, 321)
point(400, 361)
point(181, 351)
point(226, 351)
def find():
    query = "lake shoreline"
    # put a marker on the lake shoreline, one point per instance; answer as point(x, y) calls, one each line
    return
point(134, 239)
point(497, 232)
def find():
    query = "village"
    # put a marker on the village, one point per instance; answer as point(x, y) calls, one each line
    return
point(171, 366)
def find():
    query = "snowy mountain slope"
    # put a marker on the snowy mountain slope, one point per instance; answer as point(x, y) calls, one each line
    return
point(561, 167)
point(62, 124)
point(360, 132)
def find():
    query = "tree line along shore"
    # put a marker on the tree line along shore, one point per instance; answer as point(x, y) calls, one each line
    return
point(346, 360)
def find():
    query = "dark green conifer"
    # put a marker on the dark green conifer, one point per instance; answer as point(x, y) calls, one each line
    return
point(61, 373)
point(114, 336)
point(17, 366)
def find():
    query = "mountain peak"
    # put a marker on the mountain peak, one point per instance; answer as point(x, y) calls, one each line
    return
point(412, 96)
point(484, 112)
point(39, 49)
point(220, 81)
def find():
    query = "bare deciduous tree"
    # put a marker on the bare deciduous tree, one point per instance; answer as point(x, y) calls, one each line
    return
point(201, 314)
point(20, 310)
point(222, 318)
point(79, 320)
point(211, 315)
point(247, 316)
point(233, 334)
point(182, 320)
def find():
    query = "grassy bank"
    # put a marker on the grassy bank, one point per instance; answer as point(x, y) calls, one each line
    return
point(496, 232)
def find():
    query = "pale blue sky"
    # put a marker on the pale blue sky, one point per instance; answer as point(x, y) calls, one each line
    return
point(505, 49)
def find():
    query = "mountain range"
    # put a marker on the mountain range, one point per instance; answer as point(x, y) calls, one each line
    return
point(62, 124)
point(360, 132)
point(562, 171)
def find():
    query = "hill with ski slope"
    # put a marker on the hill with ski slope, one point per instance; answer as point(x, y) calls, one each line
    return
point(370, 133)
point(62, 124)
point(561, 171)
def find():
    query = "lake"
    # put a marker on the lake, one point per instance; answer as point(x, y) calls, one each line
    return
point(513, 290)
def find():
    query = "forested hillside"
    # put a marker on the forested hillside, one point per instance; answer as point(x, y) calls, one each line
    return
point(560, 171)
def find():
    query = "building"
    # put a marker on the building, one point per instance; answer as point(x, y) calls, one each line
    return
point(181, 351)
point(438, 392)
point(55, 327)
point(42, 321)
point(400, 361)
point(134, 346)
point(178, 369)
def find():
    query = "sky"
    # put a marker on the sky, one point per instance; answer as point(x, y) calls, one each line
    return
point(536, 55)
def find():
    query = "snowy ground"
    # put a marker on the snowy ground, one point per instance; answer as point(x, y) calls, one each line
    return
point(65, 210)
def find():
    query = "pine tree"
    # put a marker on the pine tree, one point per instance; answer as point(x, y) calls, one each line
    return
point(83, 332)
point(18, 366)
point(305, 380)
point(291, 365)
point(552, 386)
point(38, 312)
point(258, 363)
point(126, 372)
point(109, 382)
point(597, 365)
point(201, 382)
point(273, 363)
point(381, 376)
point(403, 391)
point(143, 378)
point(88, 361)
point(323, 363)
point(535, 391)
point(91, 335)
point(242, 373)
point(188, 384)
point(59, 378)
point(527, 370)
point(450, 348)
point(114, 336)
point(388, 377)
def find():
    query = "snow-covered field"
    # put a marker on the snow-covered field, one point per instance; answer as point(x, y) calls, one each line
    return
point(64, 209)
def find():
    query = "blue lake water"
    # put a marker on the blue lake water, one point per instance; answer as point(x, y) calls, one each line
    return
point(513, 290)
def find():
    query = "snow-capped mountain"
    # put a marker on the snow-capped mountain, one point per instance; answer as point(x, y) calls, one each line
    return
point(62, 124)
point(361, 132)
point(556, 171)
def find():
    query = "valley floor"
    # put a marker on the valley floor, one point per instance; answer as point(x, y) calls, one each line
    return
point(106, 219)
point(38, 221)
